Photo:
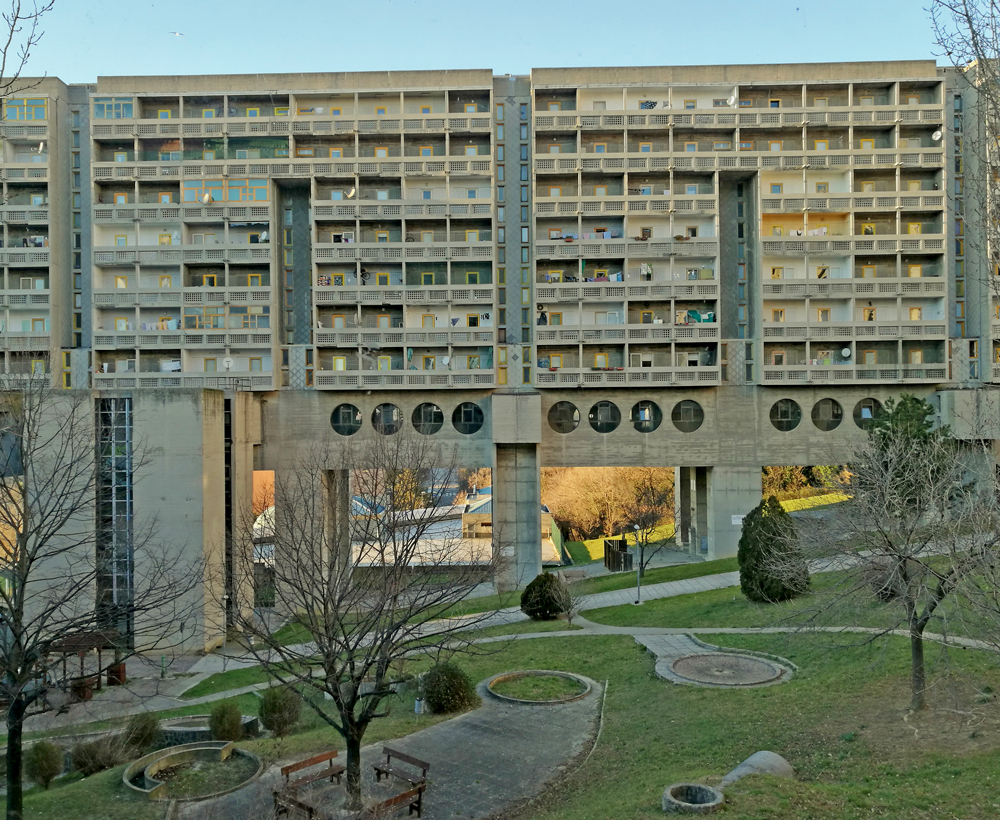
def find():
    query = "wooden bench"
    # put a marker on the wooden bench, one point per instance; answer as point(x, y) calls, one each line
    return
point(333, 771)
point(390, 768)
point(286, 804)
point(413, 800)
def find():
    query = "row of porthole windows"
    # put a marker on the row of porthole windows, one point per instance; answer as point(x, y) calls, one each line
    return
point(427, 419)
point(687, 416)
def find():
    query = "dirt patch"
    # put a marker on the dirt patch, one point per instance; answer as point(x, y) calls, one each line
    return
point(201, 777)
point(960, 718)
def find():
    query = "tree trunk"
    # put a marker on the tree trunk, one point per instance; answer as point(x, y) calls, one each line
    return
point(917, 681)
point(353, 770)
point(15, 725)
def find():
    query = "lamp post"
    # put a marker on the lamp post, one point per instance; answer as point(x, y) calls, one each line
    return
point(638, 566)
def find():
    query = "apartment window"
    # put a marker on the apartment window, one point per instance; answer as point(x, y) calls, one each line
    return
point(500, 132)
point(499, 109)
point(774, 145)
point(822, 187)
point(500, 193)
point(690, 147)
point(524, 173)
point(524, 132)
point(868, 314)
point(867, 145)
point(777, 187)
point(777, 273)
point(823, 315)
point(867, 271)
point(917, 313)
point(210, 366)
point(822, 272)
point(778, 315)
point(959, 310)
point(821, 145)
point(111, 108)
point(775, 103)
point(720, 103)
point(525, 276)
point(501, 235)
point(379, 112)
point(499, 153)
point(524, 192)
point(746, 145)
point(645, 147)
point(723, 145)
point(524, 213)
point(690, 103)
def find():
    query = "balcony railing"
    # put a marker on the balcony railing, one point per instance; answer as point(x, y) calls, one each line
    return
point(348, 337)
point(381, 251)
point(255, 380)
point(412, 295)
point(885, 330)
point(865, 373)
point(174, 254)
point(618, 377)
point(404, 379)
point(847, 243)
point(631, 333)
point(575, 291)
point(845, 288)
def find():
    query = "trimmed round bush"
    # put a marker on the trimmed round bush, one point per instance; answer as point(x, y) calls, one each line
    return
point(97, 755)
point(142, 731)
point(448, 689)
point(545, 598)
point(43, 762)
point(225, 722)
point(280, 708)
point(772, 566)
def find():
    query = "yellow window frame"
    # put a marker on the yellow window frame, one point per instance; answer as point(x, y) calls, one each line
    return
point(208, 113)
point(690, 147)
point(281, 110)
point(821, 145)
point(256, 364)
point(385, 362)
point(381, 151)
point(555, 318)
point(822, 314)
point(472, 277)
point(425, 150)
point(600, 360)
point(916, 313)
point(915, 271)
point(866, 144)
point(645, 147)
point(165, 239)
point(381, 236)
point(777, 314)
point(121, 282)
point(600, 147)
point(472, 320)
point(382, 279)
point(426, 278)
point(427, 320)
point(214, 362)
point(166, 281)
point(555, 360)
point(163, 114)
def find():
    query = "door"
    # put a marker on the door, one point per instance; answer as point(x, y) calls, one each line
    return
point(37, 325)
point(339, 321)
point(600, 360)
point(340, 363)
point(165, 199)
point(382, 151)
point(121, 199)
point(869, 357)
point(427, 320)
point(916, 357)
point(430, 362)
point(383, 322)
point(385, 362)
point(913, 228)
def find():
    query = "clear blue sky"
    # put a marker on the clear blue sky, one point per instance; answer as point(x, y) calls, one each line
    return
point(88, 38)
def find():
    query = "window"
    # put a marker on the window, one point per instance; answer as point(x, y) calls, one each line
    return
point(822, 272)
point(472, 277)
point(916, 313)
point(916, 356)
point(281, 110)
point(381, 151)
point(555, 318)
point(866, 100)
point(720, 103)
point(867, 145)
point(778, 315)
point(723, 145)
point(645, 147)
point(690, 103)
point(913, 227)
point(823, 314)
point(777, 187)
point(166, 281)
point(472, 320)
point(867, 228)
point(777, 273)
point(746, 145)
point(746, 103)
point(822, 187)
point(210, 365)
point(821, 145)
point(774, 145)
point(256, 364)
point(121, 199)
point(690, 147)
point(868, 314)
point(691, 189)
point(600, 148)
point(121, 241)
point(867, 271)
point(601, 360)
point(382, 279)
point(785, 415)
point(914, 271)
point(427, 278)
point(778, 358)
point(819, 102)
point(774, 103)
point(379, 112)
point(105, 108)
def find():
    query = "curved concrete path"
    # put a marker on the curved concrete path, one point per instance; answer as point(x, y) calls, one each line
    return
point(482, 762)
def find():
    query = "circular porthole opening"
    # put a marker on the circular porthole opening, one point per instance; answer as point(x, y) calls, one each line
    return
point(467, 418)
point(646, 416)
point(387, 419)
point(345, 419)
point(687, 416)
point(785, 415)
point(865, 412)
point(564, 417)
point(605, 417)
point(427, 419)
point(827, 415)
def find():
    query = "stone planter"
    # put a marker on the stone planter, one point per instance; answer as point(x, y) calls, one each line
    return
point(691, 798)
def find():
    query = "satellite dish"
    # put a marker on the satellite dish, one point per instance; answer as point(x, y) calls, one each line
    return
point(732, 99)
point(263, 236)
point(846, 352)
point(350, 193)
point(227, 363)
point(936, 136)
point(206, 198)
point(446, 360)
point(41, 147)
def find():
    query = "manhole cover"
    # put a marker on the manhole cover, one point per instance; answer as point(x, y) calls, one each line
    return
point(725, 669)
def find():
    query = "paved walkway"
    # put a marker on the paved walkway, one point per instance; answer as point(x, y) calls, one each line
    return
point(483, 762)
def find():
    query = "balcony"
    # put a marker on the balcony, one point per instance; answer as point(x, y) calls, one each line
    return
point(845, 288)
point(233, 381)
point(403, 379)
point(397, 294)
point(626, 376)
point(25, 257)
point(24, 298)
point(323, 209)
point(845, 331)
point(652, 249)
point(436, 337)
point(175, 254)
point(853, 243)
point(662, 204)
point(887, 201)
point(827, 374)
point(632, 333)
point(122, 297)
point(575, 291)
point(188, 127)
point(12, 214)
point(24, 340)
point(37, 172)
point(398, 251)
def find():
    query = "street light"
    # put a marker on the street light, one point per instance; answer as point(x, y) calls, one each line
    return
point(638, 565)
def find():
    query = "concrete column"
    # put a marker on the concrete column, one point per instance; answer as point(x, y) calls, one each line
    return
point(337, 526)
point(517, 517)
point(732, 493)
point(700, 511)
point(682, 505)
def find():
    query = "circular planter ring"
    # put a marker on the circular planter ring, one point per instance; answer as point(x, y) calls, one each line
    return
point(526, 673)
point(691, 798)
point(155, 789)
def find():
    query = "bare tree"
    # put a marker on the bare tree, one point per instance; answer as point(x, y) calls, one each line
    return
point(922, 525)
point(22, 33)
point(62, 588)
point(650, 507)
point(364, 572)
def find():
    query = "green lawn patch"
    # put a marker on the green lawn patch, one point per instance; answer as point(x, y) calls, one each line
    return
point(101, 796)
point(578, 552)
point(657, 575)
point(538, 687)
point(793, 504)
point(224, 681)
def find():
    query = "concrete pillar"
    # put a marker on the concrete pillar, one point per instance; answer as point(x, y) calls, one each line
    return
point(700, 511)
point(517, 492)
point(732, 493)
point(517, 516)
point(682, 505)
point(337, 526)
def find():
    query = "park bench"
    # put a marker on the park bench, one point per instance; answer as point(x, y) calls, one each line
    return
point(412, 799)
point(286, 804)
point(333, 771)
point(391, 767)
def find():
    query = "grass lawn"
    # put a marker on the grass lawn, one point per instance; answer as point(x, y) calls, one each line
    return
point(538, 687)
point(657, 575)
point(222, 681)
point(793, 504)
point(841, 721)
